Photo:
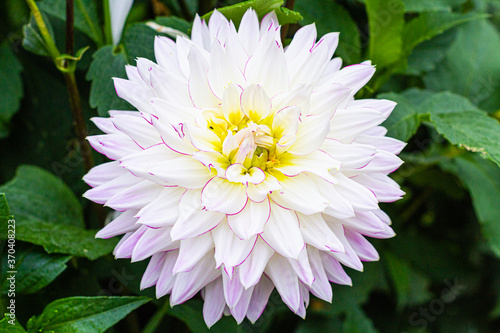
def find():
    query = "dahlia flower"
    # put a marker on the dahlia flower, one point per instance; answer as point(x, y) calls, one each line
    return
point(248, 166)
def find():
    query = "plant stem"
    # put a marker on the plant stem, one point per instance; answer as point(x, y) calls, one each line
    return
point(284, 31)
point(49, 42)
point(80, 127)
point(153, 323)
point(74, 94)
point(70, 27)
point(108, 35)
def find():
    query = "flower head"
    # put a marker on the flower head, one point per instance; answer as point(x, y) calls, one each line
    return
point(248, 167)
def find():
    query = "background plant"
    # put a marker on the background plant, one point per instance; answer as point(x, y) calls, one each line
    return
point(440, 60)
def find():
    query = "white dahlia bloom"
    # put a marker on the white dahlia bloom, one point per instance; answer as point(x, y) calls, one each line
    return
point(249, 166)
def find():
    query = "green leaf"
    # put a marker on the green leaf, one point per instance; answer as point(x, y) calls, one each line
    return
point(404, 121)
point(454, 116)
point(412, 287)
point(10, 325)
point(470, 67)
point(4, 215)
point(85, 11)
point(385, 21)
point(32, 40)
point(109, 62)
point(84, 314)
point(11, 87)
point(48, 214)
point(430, 24)
point(472, 130)
point(482, 179)
point(37, 194)
point(330, 16)
point(36, 269)
point(358, 322)
point(431, 5)
point(174, 23)
point(262, 7)
point(427, 55)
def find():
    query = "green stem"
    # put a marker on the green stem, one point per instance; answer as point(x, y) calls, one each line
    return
point(108, 34)
point(50, 45)
point(155, 321)
point(80, 127)
point(284, 31)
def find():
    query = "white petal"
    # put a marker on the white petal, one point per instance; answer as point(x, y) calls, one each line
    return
point(363, 248)
point(233, 289)
point(321, 288)
point(199, 88)
point(259, 192)
point(282, 232)
point(317, 233)
point(135, 197)
point(267, 67)
point(124, 223)
point(200, 34)
point(240, 309)
point(300, 194)
point(352, 156)
point(346, 124)
point(311, 133)
point(255, 103)
point(285, 280)
point(214, 302)
point(251, 220)
point(104, 192)
point(135, 93)
point(252, 268)
point(237, 173)
point(103, 173)
point(152, 272)
point(166, 55)
point(334, 270)
point(193, 220)
point(339, 207)
point(153, 241)
point(249, 31)
point(191, 251)
point(384, 188)
point(229, 249)
point(172, 139)
point(183, 171)
point(383, 162)
point(260, 296)
point(118, 11)
point(223, 196)
point(302, 268)
point(167, 278)
point(328, 98)
point(359, 196)
point(222, 71)
point(231, 106)
point(164, 210)
point(318, 163)
point(187, 284)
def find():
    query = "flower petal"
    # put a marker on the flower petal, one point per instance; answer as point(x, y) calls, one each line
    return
point(282, 232)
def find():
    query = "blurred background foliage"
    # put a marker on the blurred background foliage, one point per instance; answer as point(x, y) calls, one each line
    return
point(439, 59)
